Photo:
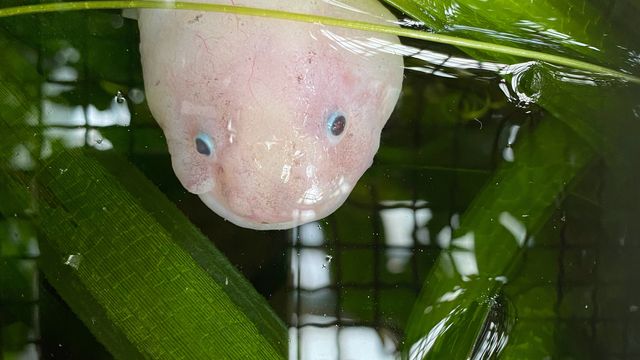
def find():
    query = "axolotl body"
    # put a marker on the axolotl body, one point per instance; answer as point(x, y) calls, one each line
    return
point(271, 122)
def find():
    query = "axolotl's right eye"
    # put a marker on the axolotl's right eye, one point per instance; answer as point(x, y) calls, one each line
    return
point(336, 123)
point(204, 144)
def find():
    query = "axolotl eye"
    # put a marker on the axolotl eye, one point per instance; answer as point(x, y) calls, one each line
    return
point(336, 123)
point(204, 144)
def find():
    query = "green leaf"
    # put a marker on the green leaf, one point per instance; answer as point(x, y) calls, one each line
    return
point(502, 50)
point(492, 235)
point(142, 278)
point(576, 29)
point(518, 200)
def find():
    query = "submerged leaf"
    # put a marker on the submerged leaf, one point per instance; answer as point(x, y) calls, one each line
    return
point(593, 115)
point(142, 278)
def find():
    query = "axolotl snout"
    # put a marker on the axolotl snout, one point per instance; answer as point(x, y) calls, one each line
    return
point(270, 122)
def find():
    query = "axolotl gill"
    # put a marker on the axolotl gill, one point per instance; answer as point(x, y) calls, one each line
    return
point(270, 122)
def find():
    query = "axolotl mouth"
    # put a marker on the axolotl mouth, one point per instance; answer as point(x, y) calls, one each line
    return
point(270, 122)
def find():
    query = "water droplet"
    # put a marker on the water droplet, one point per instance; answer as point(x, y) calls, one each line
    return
point(226, 281)
point(327, 259)
point(73, 260)
point(523, 83)
point(62, 171)
point(120, 97)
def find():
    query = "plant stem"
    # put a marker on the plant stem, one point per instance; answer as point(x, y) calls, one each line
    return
point(323, 20)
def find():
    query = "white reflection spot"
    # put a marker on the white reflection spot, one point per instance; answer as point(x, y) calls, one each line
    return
point(398, 226)
point(365, 343)
point(455, 221)
point(463, 255)
point(421, 348)
point(466, 242)
point(515, 227)
point(64, 73)
point(117, 114)
point(318, 343)
point(58, 114)
point(70, 138)
point(310, 171)
point(311, 234)
point(99, 142)
point(55, 89)
point(286, 172)
point(444, 237)
point(507, 153)
point(311, 196)
point(311, 275)
point(67, 55)
point(465, 262)
point(451, 295)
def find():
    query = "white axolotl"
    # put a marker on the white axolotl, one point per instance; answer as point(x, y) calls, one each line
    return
point(271, 122)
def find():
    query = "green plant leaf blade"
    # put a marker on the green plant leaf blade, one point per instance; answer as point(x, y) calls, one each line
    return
point(133, 285)
point(473, 46)
point(577, 29)
point(587, 118)
point(492, 234)
point(142, 278)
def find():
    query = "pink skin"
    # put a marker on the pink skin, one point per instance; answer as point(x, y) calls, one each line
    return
point(263, 89)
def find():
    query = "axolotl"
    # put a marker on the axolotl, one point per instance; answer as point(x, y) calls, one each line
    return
point(271, 122)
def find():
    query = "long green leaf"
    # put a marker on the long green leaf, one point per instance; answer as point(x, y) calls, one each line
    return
point(142, 278)
point(358, 25)
point(450, 313)
point(575, 29)
point(493, 233)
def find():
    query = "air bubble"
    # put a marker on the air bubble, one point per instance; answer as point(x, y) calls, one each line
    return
point(120, 99)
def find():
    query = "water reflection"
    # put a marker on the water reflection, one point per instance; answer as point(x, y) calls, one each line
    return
point(340, 343)
point(324, 327)
point(403, 223)
point(313, 273)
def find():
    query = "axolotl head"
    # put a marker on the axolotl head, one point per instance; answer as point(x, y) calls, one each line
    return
point(270, 133)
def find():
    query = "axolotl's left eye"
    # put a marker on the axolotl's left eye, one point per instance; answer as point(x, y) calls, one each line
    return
point(336, 123)
point(204, 144)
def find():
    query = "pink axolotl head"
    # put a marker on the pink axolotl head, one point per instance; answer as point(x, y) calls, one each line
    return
point(270, 122)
